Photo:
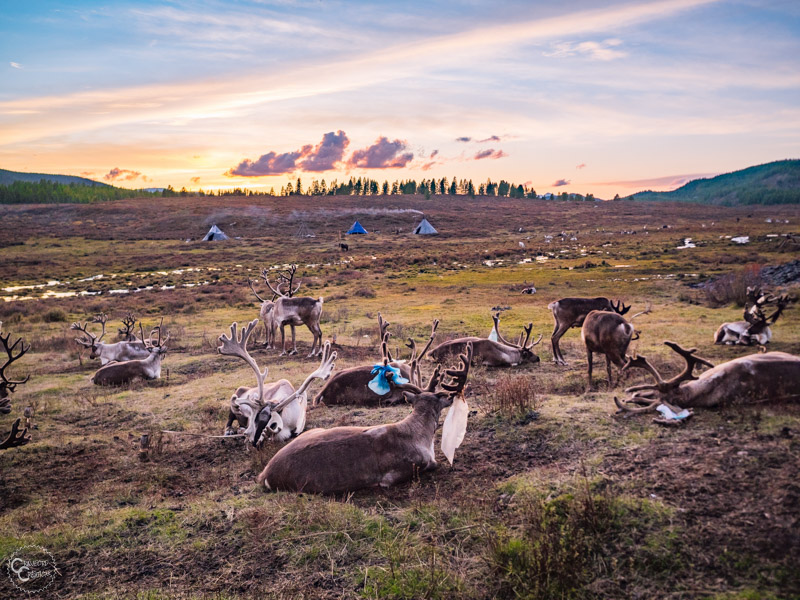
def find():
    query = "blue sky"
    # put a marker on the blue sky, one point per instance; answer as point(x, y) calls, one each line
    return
point(588, 97)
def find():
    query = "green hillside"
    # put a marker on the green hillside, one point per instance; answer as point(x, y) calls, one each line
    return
point(9, 177)
point(772, 183)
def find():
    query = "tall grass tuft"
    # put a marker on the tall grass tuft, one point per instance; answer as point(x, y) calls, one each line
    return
point(732, 288)
point(514, 394)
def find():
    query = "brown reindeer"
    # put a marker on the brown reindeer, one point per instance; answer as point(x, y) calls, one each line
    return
point(292, 311)
point(608, 333)
point(275, 408)
point(490, 353)
point(7, 387)
point(120, 373)
point(344, 459)
point(118, 351)
point(751, 379)
point(570, 312)
point(351, 386)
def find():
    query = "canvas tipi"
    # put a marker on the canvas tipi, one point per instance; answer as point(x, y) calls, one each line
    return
point(356, 228)
point(215, 234)
point(424, 228)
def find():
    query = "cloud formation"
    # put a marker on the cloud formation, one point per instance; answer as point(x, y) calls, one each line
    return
point(491, 138)
point(490, 153)
point(15, 65)
point(560, 183)
point(195, 180)
point(313, 159)
point(464, 139)
point(604, 50)
point(117, 174)
point(580, 166)
point(383, 154)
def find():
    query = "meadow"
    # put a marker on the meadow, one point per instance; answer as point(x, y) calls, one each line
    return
point(551, 495)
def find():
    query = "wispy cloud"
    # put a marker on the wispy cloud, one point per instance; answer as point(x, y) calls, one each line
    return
point(603, 50)
point(195, 180)
point(383, 154)
point(490, 153)
point(661, 183)
point(580, 166)
point(117, 174)
point(560, 183)
point(15, 65)
point(491, 138)
point(464, 139)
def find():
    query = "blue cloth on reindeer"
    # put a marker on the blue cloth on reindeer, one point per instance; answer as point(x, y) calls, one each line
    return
point(379, 384)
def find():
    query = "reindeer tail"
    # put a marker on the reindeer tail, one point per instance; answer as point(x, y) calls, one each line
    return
point(320, 300)
point(552, 305)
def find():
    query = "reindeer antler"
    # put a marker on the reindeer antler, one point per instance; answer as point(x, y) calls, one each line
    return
point(647, 310)
point(620, 307)
point(102, 318)
point(327, 364)
point(128, 322)
point(459, 376)
point(84, 329)
point(522, 342)
point(413, 345)
point(7, 383)
point(250, 283)
point(15, 437)
point(236, 345)
point(286, 278)
point(276, 292)
point(665, 386)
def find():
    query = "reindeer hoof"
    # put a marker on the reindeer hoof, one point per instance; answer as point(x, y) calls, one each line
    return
point(293, 352)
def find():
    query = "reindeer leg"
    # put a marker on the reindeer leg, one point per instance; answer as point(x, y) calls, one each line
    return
point(608, 370)
point(283, 341)
point(558, 331)
point(317, 336)
point(589, 387)
point(294, 343)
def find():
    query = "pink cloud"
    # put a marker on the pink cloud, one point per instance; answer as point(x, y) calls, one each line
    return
point(490, 153)
point(195, 180)
point(313, 159)
point(491, 138)
point(117, 174)
point(561, 182)
point(580, 166)
point(325, 155)
point(383, 154)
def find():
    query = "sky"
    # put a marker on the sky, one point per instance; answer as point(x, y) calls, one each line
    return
point(575, 96)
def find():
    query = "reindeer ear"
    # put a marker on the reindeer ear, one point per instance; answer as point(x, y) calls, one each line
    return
point(409, 397)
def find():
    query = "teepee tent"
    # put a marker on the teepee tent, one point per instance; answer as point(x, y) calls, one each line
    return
point(304, 232)
point(356, 228)
point(215, 234)
point(424, 228)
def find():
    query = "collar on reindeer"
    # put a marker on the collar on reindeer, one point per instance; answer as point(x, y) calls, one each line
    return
point(379, 383)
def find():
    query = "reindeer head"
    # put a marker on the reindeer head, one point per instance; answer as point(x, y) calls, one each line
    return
point(158, 347)
point(525, 349)
point(91, 341)
point(648, 396)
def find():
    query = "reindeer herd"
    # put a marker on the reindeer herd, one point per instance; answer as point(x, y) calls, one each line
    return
point(343, 459)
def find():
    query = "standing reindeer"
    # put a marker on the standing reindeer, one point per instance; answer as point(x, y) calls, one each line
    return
point(351, 386)
point(265, 314)
point(7, 387)
point(751, 379)
point(292, 311)
point(608, 333)
point(120, 373)
point(118, 351)
point(275, 408)
point(490, 353)
point(344, 459)
point(570, 312)
point(755, 329)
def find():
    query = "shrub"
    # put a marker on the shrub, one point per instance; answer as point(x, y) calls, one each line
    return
point(732, 288)
point(54, 315)
point(514, 394)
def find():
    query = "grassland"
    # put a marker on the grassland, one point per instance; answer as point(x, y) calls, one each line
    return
point(549, 497)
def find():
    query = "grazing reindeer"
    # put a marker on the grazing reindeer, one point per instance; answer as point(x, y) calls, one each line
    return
point(292, 311)
point(119, 351)
point(120, 373)
point(275, 408)
point(490, 353)
point(344, 459)
point(265, 314)
point(570, 312)
point(351, 386)
point(756, 325)
point(344, 247)
point(752, 379)
point(608, 333)
point(7, 387)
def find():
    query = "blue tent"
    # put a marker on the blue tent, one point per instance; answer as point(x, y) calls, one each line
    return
point(356, 228)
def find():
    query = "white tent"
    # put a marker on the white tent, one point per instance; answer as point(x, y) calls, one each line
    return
point(424, 228)
point(215, 234)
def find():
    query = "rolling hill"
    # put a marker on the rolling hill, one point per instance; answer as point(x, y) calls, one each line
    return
point(9, 177)
point(772, 183)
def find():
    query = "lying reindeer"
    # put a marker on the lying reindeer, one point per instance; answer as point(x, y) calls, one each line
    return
point(571, 312)
point(751, 379)
point(118, 351)
point(344, 459)
point(755, 329)
point(491, 353)
point(351, 386)
point(7, 387)
point(292, 311)
point(275, 408)
point(610, 334)
point(120, 373)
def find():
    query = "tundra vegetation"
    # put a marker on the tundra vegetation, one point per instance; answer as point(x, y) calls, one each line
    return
point(551, 495)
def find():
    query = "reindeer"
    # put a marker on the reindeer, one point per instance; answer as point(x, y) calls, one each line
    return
point(120, 373)
point(351, 386)
point(292, 311)
point(118, 351)
point(490, 353)
point(128, 333)
point(747, 380)
point(571, 312)
point(275, 408)
point(608, 333)
point(7, 387)
point(265, 314)
point(756, 325)
point(344, 459)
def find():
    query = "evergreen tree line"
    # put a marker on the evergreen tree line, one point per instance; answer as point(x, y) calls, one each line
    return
point(45, 191)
